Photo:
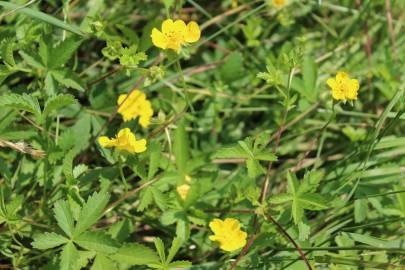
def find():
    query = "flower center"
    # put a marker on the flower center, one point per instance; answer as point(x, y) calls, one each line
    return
point(175, 37)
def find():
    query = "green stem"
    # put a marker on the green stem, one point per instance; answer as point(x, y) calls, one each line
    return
point(184, 86)
point(120, 168)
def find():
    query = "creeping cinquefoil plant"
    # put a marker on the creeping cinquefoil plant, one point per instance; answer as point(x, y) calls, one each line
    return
point(207, 135)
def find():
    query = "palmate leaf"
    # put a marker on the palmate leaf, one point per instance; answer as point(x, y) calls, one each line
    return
point(56, 103)
point(68, 78)
point(92, 210)
point(97, 241)
point(64, 217)
point(48, 240)
point(135, 254)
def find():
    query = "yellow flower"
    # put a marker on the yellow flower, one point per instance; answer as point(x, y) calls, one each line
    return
point(124, 141)
point(278, 3)
point(343, 88)
point(183, 191)
point(228, 234)
point(175, 34)
point(135, 105)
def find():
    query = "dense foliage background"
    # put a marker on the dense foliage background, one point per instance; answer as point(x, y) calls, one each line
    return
point(244, 117)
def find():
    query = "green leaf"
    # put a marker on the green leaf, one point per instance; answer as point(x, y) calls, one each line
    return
point(232, 69)
point(69, 257)
point(281, 198)
point(313, 201)
point(292, 183)
point(135, 254)
point(160, 247)
point(69, 79)
point(67, 167)
point(22, 102)
point(97, 241)
point(42, 17)
point(309, 73)
point(265, 155)
point(146, 199)
point(92, 210)
point(60, 54)
point(56, 103)
point(231, 152)
point(297, 212)
point(254, 168)
point(180, 264)
point(310, 182)
point(181, 148)
point(48, 240)
point(103, 263)
point(154, 158)
point(176, 245)
point(360, 210)
point(32, 59)
point(64, 217)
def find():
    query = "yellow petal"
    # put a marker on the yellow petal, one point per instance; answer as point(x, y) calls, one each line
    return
point(159, 39)
point(167, 25)
point(105, 141)
point(216, 226)
point(193, 32)
point(144, 121)
point(124, 132)
point(179, 26)
point(121, 99)
point(353, 87)
point(139, 146)
point(331, 83)
point(232, 224)
point(341, 75)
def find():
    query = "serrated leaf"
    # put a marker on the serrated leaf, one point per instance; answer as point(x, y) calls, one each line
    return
point(7, 52)
point(92, 210)
point(67, 167)
point(32, 59)
point(159, 198)
point(297, 211)
point(48, 240)
point(146, 199)
point(176, 245)
point(69, 257)
point(231, 152)
point(64, 217)
point(103, 263)
point(97, 241)
point(313, 201)
point(292, 183)
point(22, 102)
point(154, 158)
point(265, 155)
point(60, 54)
point(180, 264)
point(254, 168)
point(160, 247)
point(69, 79)
point(58, 102)
point(135, 254)
point(281, 198)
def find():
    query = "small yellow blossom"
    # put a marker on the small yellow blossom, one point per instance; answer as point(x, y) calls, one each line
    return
point(135, 105)
point(343, 88)
point(174, 34)
point(278, 3)
point(183, 191)
point(187, 178)
point(124, 141)
point(228, 234)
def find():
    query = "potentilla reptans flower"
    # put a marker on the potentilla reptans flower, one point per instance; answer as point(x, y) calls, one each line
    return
point(135, 105)
point(183, 191)
point(228, 234)
point(124, 141)
point(278, 3)
point(343, 88)
point(175, 34)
